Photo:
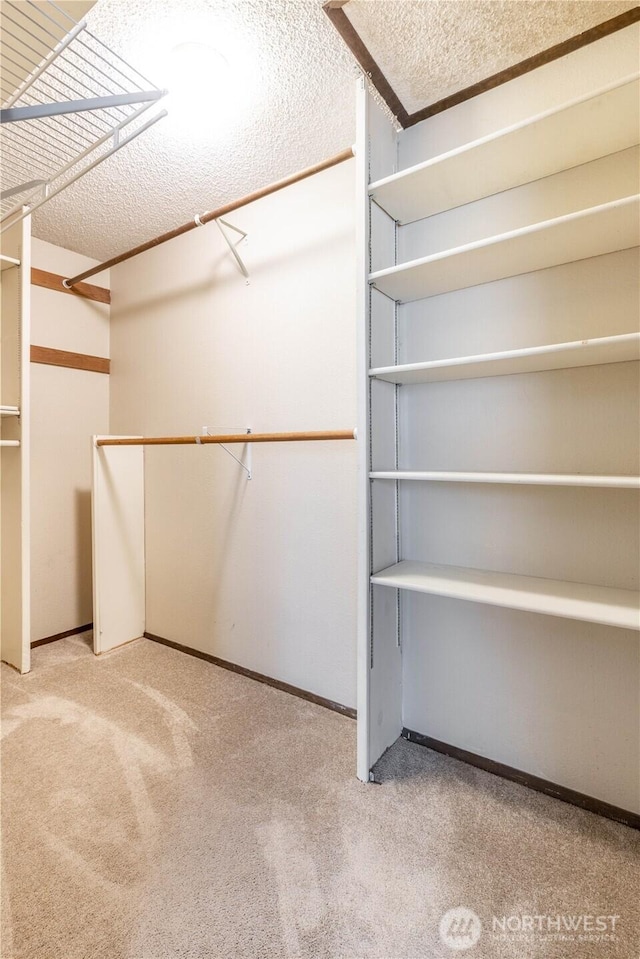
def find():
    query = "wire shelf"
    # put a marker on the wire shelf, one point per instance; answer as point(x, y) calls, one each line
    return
point(68, 103)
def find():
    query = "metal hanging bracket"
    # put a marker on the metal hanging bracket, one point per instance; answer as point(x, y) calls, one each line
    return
point(246, 466)
point(220, 223)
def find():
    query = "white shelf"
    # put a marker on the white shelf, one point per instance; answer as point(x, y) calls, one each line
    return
point(593, 604)
point(6, 262)
point(601, 229)
point(558, 356)
point(9, 411)
point(9, 443)
point(60, 73)
point(577, 132)
point(516, 479)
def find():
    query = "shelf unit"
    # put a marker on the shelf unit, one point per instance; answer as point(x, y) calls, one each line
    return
point(558, 356)
point(567, 505)
point(588, 128)
point(510, 479)
point(68, 103)
point(592, 604)
point(602, 229)
point(15, 600)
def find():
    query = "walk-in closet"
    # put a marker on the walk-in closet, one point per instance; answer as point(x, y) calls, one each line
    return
point(320, 479)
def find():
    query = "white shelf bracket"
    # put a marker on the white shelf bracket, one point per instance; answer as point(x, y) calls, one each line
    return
point(246, 464)
point(220, 223)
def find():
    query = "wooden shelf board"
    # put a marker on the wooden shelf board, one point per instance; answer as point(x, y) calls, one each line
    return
point(517, 479)
point(606, 228)
point(72, 361)
point(621, 348)
point(54, 281)
point(558, 139)
point(593, 604)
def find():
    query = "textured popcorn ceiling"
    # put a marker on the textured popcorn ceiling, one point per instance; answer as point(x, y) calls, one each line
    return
point(429, 49)
point(286, 100)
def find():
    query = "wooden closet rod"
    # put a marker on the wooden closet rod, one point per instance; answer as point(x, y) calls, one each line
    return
point(230, 438)
point(213, 215)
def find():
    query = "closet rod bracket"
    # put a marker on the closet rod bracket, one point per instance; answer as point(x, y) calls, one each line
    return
point(220, 223)
point(246, 465)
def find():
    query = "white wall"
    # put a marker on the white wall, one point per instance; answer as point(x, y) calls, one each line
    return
point(557, 698)
point(259, 573)
point(67, 407)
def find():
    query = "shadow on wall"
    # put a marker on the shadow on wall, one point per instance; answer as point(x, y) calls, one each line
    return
point(84, 572)
point(222, 271)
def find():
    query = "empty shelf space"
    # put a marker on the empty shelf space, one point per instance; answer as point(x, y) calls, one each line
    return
point(606, 228)
point(9, 411)
point(577, 132)
point(607, 349)
point(6, 262)
point(517, 479)
point(593, 604)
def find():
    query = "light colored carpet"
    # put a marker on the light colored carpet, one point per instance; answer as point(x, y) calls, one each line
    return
point(157, 807)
